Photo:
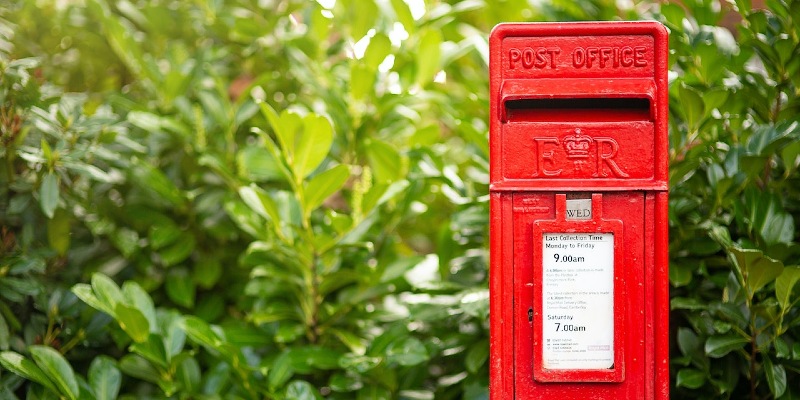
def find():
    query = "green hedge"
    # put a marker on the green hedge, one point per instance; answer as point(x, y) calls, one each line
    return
point(247, 199)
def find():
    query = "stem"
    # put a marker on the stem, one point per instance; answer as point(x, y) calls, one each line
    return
point(753, 349)
point(73, 342)
point(313, 323)
point(777, 110)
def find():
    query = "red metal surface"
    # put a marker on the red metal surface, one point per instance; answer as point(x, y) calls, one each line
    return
point(579, 110)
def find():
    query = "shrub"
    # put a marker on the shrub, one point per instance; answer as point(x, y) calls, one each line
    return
point(245, 201)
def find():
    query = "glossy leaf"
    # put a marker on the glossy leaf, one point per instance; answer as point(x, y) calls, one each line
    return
point(692, 105)
point(200, 332)
point(477, 356)
point(157, 184)
point(301, 390)
point(106, 291)
point(58, 232)
point(776, 377)
point(720, 345)
point(104, 378)
point(180, 287)
point(785, 284)
point(690, 378)
point(280, 372)
point(5, 334)
point(57, 369)
point(136, 296)
point(152, 350)
point(322, 186)
point(758, 270)
point(312, 145)
point(408, 352)
point(86, 294)
point(48, 194)
point(428, 54)
point(386, 162)
point(133, 322)
point(25, 368)
point(380, 46)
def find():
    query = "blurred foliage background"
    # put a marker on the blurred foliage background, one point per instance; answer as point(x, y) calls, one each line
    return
point(247, 199)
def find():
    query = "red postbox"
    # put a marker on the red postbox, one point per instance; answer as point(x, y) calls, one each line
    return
point(578, 278)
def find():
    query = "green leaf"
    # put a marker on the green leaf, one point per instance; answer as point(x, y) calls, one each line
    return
point(428, 55)
point(690, 378)
point(85, 293)
point(104, 378)
point(153, 123)
point(58, 232)
point(776, 377)
point(107, 292)
point(47, 152)
point(133, 322)
point(138, 297)
point(269, 113)
point(5, 333)
point(362, 79)
point(260, 202)
point(312, 145)
point(407, 352)
point(200, 332)
point(351, 340)
point(687, 303)
point(791, 157)
point(57, 369)
point(126, 240)
point(475, 303)
point(291, 129)
point(180, 287)
point(207, 271)
point(156, 183)
point(322, 186)
point(152, 350)
point(301, 390)
point(307, 358)
point(162, 233)
point(720, 345)
point(48, 194)
point(91, 172)
point(757, 269)
point(692, 105)
point(362, 16)
point(680, 274)
point(784, 285)
point(258, 164)
point(190, 375)
point(379, 48)
point(138, 367)
point(344, 383)
point(404, 15)
point(280, 372)
point(178, 251)
point(477, 356)
point(688, 341)
point(385, 160)
point(25, 368)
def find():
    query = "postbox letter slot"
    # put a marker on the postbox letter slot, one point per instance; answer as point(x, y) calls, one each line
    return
point(578, 109)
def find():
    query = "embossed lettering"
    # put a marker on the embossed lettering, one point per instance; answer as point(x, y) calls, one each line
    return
point(607, 158)
point(546, 155)
point(589, 156)
point(533, 58)
point(605, 57)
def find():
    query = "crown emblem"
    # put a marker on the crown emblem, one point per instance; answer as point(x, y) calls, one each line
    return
point(577, 145)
